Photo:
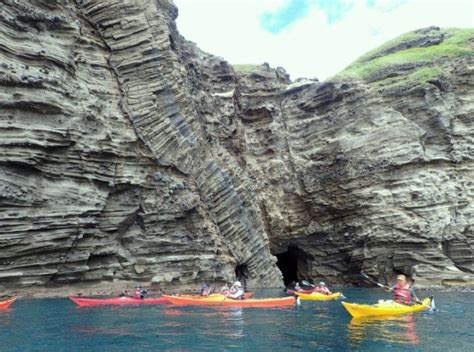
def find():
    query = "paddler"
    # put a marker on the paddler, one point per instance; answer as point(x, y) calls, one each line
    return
point(322, 288)
point(402, 292)
point(236, 291)
point(205, 290)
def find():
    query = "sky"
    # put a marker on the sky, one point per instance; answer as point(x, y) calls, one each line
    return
point(310, 38)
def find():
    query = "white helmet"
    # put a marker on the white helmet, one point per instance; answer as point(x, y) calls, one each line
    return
point(237, 284)
point(322, 283)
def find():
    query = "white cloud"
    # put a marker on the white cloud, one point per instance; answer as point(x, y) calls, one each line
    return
point(311, 47)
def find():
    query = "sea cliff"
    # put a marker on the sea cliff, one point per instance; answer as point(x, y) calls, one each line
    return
point(131, 156)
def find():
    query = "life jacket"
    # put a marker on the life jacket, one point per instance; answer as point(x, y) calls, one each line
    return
point(402, 294)
point(324, 290)
point(239, 294)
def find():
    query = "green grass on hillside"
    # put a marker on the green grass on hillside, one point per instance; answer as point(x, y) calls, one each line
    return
point(244, 68)
point(457, 42)
point(421, 75)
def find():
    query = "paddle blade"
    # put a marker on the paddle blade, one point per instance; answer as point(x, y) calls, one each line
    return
point(298, 301)
point(364, 275)
point(432, 304)
point(306, 283)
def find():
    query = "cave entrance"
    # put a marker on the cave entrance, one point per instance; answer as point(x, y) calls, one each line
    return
point(241, 273)
point(293, 265)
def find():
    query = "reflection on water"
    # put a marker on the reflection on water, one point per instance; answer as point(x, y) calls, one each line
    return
point(231, 325)
point(56, 325)
point(397, 329)
point(102, 331)
point(226, 323)
point(5, 316)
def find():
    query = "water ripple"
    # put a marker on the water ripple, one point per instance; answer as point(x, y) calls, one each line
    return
point(57, 325)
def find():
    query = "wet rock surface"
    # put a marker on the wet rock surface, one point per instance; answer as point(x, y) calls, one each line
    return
point(129, 155)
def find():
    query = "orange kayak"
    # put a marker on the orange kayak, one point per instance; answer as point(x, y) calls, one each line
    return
point(220, 300)
point(125, 300)
point(7, 303)
point(212, 295)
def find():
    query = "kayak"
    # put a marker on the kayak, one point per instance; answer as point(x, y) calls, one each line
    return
point(7, 303)
point(89, 302)
point(125, 300)
point(292, 292)
point(384, 308)
point(317, 296)
point(213, 295)
point(220, 300)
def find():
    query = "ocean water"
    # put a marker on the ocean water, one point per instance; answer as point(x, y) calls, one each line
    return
point(58, 325)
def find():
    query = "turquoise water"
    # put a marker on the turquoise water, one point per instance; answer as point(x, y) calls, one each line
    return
point(57, 325)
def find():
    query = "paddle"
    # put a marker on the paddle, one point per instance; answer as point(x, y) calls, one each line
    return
point(367, 278)
point(432, 305)
point(306, 283)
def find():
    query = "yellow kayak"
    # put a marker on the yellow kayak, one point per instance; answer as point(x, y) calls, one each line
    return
point(317, 296)
point(384, 308)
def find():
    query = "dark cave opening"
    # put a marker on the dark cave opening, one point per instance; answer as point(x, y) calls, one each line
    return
point(241, 273)
point(293, 265)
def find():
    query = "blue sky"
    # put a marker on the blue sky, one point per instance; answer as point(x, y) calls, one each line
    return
point(281, 18)
point(310, 38)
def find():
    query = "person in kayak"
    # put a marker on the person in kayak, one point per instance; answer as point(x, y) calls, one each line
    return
point(139, 292)
point(236, 291)
point(205, 290)
point(294, 286)
point(402, 292)
point(225, 290)
point(322, 288)
point(124, 294)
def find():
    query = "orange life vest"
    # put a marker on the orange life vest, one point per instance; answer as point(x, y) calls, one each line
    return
point(402, 294)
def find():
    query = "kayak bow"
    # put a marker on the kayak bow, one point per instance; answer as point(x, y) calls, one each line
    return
point(229, 302)
point(384, 308)
point(7, 303)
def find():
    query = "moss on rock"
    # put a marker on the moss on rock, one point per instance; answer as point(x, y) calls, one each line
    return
point(247, 68)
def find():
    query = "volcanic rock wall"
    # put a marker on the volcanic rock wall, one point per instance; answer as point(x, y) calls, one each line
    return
point(129, 155)
point(106, 171)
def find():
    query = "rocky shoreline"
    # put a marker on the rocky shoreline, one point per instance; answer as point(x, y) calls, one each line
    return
point(113, 291)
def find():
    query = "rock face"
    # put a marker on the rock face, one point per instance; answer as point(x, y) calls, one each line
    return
point(129, 155)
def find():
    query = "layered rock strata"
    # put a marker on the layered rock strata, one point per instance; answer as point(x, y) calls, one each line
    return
point(129, 155)
point(106, 171)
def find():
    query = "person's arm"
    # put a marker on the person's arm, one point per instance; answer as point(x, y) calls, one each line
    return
point(232, 295)
point(413, 295)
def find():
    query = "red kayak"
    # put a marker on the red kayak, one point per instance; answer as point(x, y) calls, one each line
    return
point(7, 303)
point(90, 302)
